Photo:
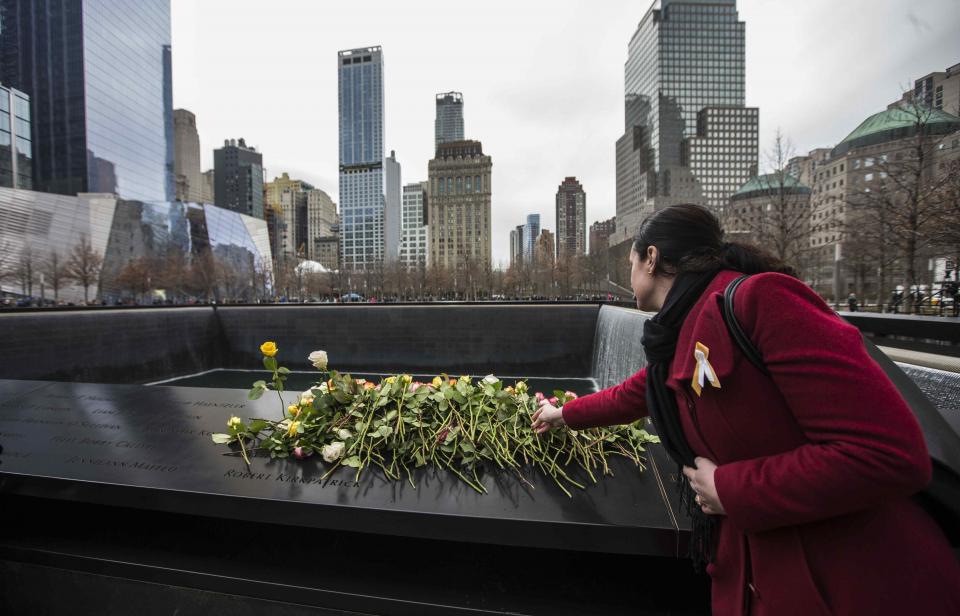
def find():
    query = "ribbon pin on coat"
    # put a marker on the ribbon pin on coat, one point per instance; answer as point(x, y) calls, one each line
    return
point(704, 371)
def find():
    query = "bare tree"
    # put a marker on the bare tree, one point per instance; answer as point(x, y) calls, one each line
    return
point(206, 275)
point(54, 271)
point(25, 271)
point(898, 199)
point(136, 277)
point(781, 224)
point(84, 265)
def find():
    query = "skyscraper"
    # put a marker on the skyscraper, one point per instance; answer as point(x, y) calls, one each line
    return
point(449, 123)
point(99, 75)
point(322, 242)
point(414, 241)
point(238, 178)
point(685, 57)
point(16, 142)
point(459, 205)
point(360, 79)
point(531, 231)
point(186, 162)
point(571, 213)
point(283, 198)
point(517, 249)
point(391, 213)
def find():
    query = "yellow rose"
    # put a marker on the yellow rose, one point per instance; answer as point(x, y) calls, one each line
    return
point(406, 378)
point(294, 426)
point(234, 422)
point(390, 379)
point(437, 381)
point(269, 348)
point(293, 409)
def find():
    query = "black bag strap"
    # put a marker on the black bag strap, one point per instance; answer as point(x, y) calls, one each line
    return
point(736, 332)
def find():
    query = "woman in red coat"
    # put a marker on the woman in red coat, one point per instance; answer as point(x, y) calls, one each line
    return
point(799, 481)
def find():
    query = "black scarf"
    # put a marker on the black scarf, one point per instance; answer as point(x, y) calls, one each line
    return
point(660, 343)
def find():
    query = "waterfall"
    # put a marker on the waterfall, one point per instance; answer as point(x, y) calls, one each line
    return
point(617, 352)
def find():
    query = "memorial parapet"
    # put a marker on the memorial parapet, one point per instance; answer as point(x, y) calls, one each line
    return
point(131, 446)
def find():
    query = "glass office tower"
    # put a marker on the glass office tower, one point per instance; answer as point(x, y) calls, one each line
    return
point(98, 73)
point(448, 125)
point(16, 147)
point(685, 56)
point(361, 156)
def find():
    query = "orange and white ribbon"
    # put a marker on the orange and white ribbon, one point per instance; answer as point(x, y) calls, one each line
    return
point(704, 371)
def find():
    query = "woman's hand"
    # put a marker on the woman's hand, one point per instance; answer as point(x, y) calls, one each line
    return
point(546, 417)
point(701, 480)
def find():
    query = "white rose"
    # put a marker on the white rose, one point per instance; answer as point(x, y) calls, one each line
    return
point(333, 451)
point(323, 387)
point(490, 379)
point(318, 359)
point(344, 433)
point(307, 397)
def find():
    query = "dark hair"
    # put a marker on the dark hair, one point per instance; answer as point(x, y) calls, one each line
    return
point(689, 238)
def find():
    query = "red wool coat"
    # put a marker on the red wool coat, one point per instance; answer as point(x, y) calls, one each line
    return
point(815, 465)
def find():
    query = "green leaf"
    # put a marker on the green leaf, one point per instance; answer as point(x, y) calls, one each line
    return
point(352, 462)
point(270, 363)
point(385, 431)
point(256, 425)
point(283, 370)
point(221, 439)
point(260, 384)
point(255, 393)
point(391, 415)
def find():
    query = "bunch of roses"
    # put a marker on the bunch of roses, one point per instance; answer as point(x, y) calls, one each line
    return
point(399, 424)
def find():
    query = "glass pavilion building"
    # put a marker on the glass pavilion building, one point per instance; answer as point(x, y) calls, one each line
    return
point(98, 73)
point(361, 157)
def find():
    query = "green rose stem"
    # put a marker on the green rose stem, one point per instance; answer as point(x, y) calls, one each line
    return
point(459, 427)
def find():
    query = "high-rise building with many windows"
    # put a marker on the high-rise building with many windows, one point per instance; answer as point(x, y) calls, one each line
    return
point(392, 205)
point(414, 241)
point(238, 178)
point(571, 218)
point(186, 161)
point(360, 79)
point(16, 143)
point(459, 205)
point(98, 73)
point(448, 125)
point(685, 58)
point(531, 231)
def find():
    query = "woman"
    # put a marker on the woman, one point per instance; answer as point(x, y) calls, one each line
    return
point(801, 478)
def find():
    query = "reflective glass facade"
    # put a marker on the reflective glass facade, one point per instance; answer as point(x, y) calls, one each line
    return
point(99, 75)
point(235, 249)
point(685, 56)
point(16, 141)
point(448, 125)
point(360, 79)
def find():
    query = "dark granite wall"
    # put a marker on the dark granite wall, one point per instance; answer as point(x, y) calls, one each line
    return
point(108, 346)
point(141, 345)
point(512, 340)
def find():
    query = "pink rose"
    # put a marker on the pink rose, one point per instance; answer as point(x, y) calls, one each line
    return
point(570, 395)
point(298, 453)
point(553, 400)
point(540, 396)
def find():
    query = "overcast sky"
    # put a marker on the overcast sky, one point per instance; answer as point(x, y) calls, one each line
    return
point(542, 80)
